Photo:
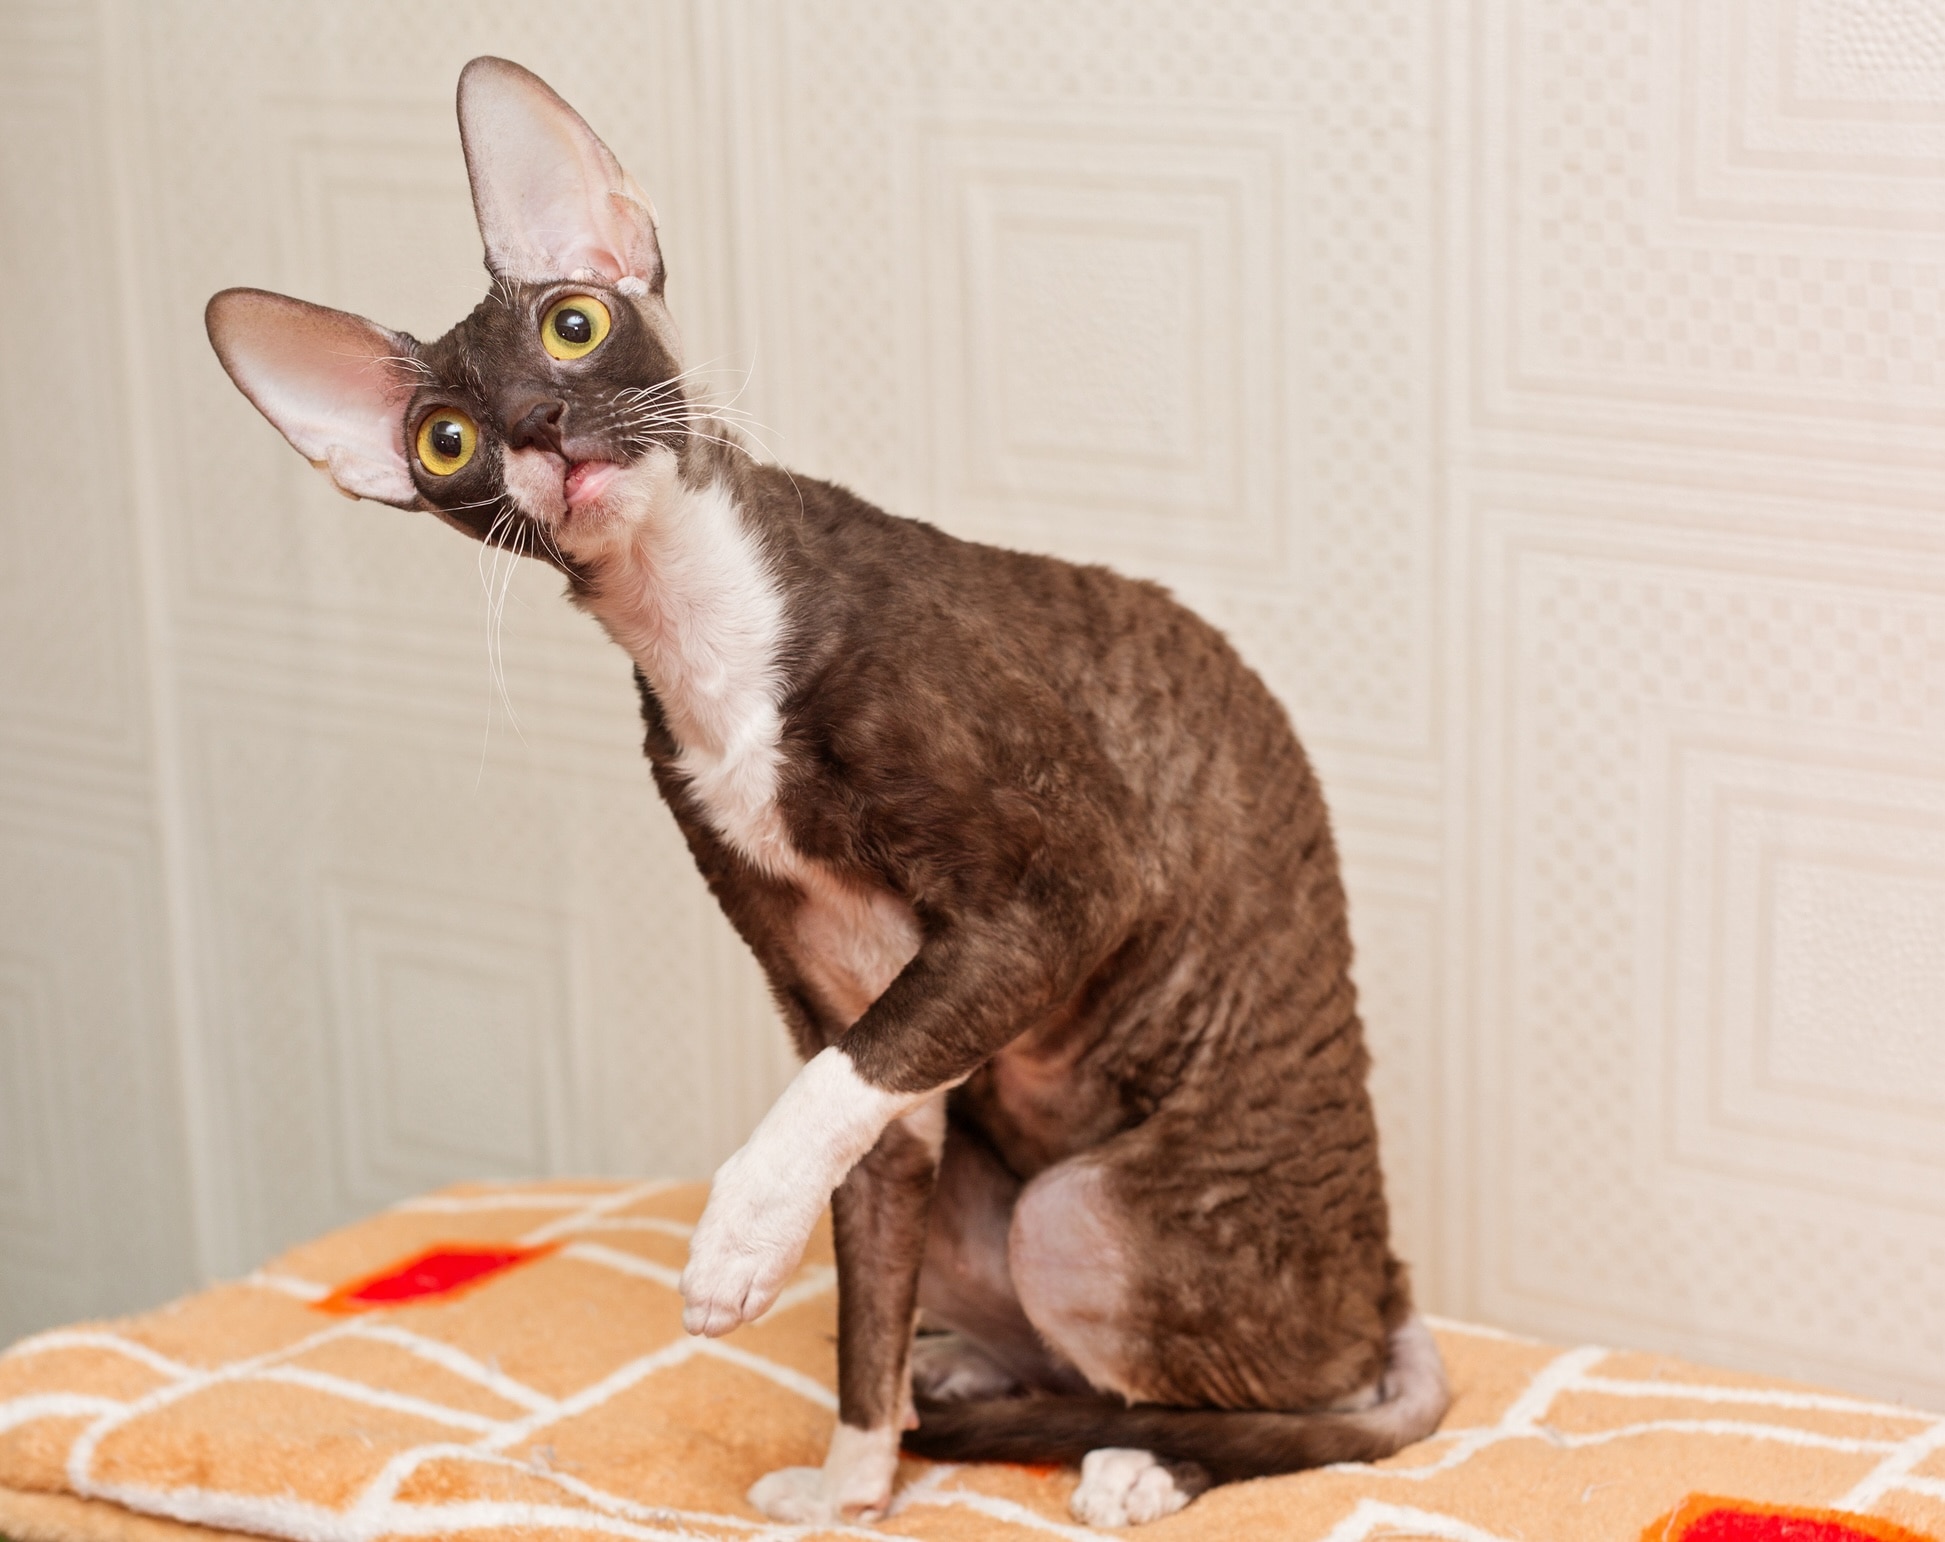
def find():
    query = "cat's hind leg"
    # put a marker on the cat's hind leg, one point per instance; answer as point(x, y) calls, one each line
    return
point(1166, 1285)
point(989, 1347)
point(1221, 1337)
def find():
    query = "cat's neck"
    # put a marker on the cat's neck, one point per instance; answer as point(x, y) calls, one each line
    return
point(692, 598)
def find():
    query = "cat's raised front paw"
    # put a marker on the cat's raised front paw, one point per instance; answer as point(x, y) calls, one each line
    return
point(748, 1241)
point(730, 1282)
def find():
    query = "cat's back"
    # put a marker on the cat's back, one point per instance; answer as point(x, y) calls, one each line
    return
point(1080, 660)
point(865, 581)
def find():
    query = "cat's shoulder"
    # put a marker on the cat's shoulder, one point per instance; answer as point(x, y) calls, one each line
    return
point(832, 525)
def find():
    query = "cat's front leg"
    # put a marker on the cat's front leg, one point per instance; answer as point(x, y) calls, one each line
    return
point(766, 1198)
point(879, 1216)
point(967, 992)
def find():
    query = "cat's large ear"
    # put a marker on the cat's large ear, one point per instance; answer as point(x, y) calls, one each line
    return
point(335, 385)
point(552, 200)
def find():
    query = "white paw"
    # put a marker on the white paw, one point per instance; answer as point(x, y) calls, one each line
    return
point(797, 1495)
point(732, 1277)
point(768, 1196)
point(948, 1368)
point(1122, 1487)
point(793, 1494)
point(745, 1246)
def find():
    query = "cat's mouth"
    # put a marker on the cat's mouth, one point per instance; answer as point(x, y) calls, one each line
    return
point(587, 480)
point(564, 494)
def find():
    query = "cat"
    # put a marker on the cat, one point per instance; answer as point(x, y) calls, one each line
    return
point(1043, 885)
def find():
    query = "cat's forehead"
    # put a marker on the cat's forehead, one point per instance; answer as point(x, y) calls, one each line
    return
point(491, 336)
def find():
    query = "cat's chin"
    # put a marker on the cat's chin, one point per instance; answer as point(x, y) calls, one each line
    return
point(535, 480)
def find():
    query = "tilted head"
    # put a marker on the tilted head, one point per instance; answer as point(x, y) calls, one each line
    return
point(542, 421)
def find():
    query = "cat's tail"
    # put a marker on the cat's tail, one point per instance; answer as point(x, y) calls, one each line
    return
point(1228, 1444)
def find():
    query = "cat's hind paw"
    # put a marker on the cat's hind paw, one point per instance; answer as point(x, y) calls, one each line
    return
point(1123, 1487)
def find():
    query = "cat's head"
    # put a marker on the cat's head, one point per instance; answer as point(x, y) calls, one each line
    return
point(547, 418)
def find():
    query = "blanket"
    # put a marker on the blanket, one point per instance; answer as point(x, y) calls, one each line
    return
point(495, 1361)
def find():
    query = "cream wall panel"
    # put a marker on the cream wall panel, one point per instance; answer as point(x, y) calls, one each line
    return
point(1707, 848)
point(93, 1195)
point(430, 956)
point(1693, 361)
point(1096, 309)
point(63, 590)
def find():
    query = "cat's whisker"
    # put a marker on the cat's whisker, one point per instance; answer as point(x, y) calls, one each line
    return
point(545, 537)
point(742, 386)
point(498, 541)
point(689, 414)
point(746, 425)
point(641, 395)
point(696, 428)
point(541, 537)
point(727, 444)
point(655, 430)
point(663, 407)
point(417, 365)
point(741, 418)
point(514, 554)
point(501, 290)
point(489, 551)
point(729, 418)
point(732, 414)
point(496, 621)
point(487, 545)
point(691, 373)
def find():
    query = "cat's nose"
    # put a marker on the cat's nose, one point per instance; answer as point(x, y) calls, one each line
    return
point(535, 421)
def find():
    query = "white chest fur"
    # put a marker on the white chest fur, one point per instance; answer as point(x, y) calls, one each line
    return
point(694, 602)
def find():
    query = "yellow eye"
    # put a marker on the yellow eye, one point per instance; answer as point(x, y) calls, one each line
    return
point(573, 327)
point(447, 439)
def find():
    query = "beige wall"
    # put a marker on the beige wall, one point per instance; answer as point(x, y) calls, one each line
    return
point(1548, 397)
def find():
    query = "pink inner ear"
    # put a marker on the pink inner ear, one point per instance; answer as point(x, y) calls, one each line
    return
point(552, 200)
point(335, 385)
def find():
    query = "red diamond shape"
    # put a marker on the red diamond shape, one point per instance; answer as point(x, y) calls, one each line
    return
point(442, 1270)
point(1704, 1518)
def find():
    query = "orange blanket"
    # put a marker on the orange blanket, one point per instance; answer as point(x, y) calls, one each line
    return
point(493, 1362)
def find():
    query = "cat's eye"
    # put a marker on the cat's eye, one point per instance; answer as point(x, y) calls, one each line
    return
point(573, 327)
point(447, 439)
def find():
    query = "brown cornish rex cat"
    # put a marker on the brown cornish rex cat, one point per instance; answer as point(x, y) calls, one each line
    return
point(1041, 880)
